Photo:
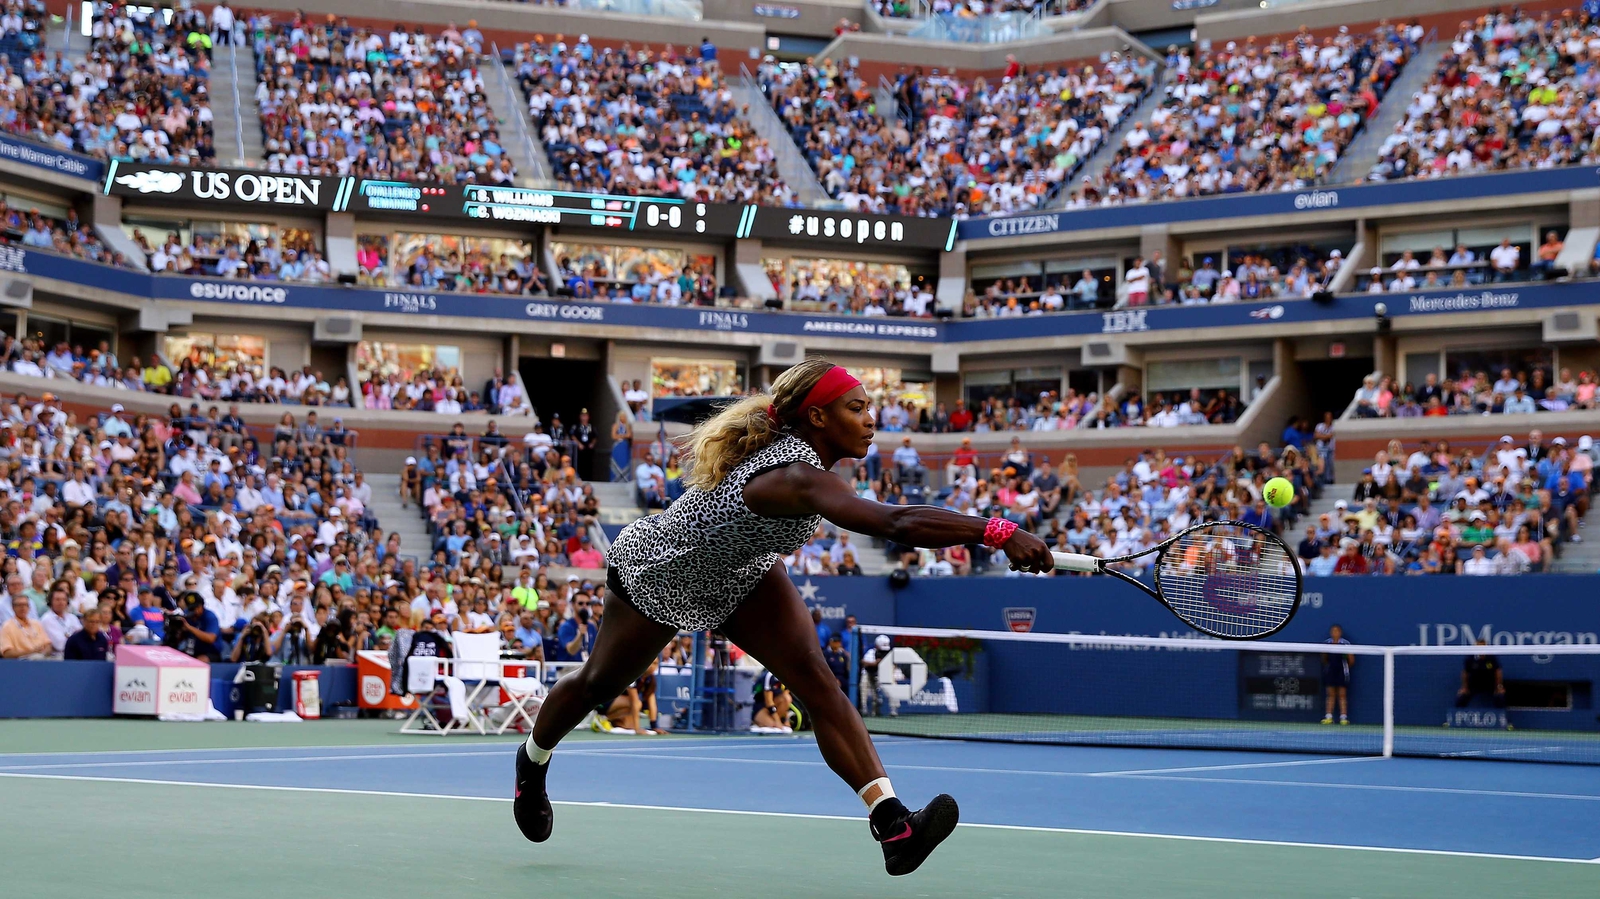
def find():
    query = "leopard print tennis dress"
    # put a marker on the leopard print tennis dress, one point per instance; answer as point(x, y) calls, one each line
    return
point(692, 565)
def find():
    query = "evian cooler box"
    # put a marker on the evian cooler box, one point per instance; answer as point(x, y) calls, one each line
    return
point(159, 680)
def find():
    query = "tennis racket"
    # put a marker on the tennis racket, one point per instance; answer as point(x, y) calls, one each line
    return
point(1227, 579)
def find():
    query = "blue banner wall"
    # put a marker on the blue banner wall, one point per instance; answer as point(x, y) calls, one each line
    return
point(84, 689)
point(1201, 682)
point(1281, 202)
point(921, 331)
point(45, 156)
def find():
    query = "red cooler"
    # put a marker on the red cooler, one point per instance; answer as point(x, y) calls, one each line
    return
point(307, 694)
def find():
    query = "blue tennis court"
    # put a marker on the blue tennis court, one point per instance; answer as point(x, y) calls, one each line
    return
point(1115, 821)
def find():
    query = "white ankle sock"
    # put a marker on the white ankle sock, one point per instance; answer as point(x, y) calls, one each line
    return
point(535, 754)
point(874, 793)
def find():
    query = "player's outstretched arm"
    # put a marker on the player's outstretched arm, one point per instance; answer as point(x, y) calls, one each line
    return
point(806, 490)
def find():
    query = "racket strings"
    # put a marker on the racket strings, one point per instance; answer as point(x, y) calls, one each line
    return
point(1229, 580)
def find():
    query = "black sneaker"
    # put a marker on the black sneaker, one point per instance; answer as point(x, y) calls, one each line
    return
point(531, 804)
point(910, 839)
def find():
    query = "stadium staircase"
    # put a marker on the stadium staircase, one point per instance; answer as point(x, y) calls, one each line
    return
point(792, 165)
point(406, 521)
point(236, 120)
point(1358, 159)
point(1094, 168)
point(518, 134)
point(618, 505)
point(1581, 558)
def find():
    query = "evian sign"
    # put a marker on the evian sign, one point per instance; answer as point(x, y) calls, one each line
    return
point(1316, 199)
point(159, 680)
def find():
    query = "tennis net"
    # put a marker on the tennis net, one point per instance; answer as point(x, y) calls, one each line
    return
point(1529, 702)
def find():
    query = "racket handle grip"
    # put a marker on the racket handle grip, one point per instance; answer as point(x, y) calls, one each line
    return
point(1076, 562)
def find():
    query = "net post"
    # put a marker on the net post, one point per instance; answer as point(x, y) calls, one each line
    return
point(852, 644)
point(1388, 703)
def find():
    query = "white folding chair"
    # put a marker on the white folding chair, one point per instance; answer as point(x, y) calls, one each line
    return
point(477, 663)
point(524, 696)
point(422, 676)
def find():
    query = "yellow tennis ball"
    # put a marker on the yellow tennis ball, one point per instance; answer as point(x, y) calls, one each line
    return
point(1278, 492)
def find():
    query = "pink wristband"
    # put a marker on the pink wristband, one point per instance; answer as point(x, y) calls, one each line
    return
point(997, 532)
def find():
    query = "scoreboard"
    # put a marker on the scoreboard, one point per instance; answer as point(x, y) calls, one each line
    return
point(513, 206)
point(538, 206)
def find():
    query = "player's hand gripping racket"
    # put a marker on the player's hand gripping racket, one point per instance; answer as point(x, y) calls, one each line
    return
point(1224, 578)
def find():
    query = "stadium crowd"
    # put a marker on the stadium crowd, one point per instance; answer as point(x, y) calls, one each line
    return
point(1476, 393)
point(200, 378)
point(1152, 497)
point(979, 147)
point(70, 236)
point(1247, 117)
point(188, 530)
point(645, 122)
point(1436, 510)
point(1283, 274)
point(1432, 511)
point(230, 256)
point(140, 93)
point(409, 106)
point(1513, 92)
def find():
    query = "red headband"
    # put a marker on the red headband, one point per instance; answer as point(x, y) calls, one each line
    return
point(834, 383)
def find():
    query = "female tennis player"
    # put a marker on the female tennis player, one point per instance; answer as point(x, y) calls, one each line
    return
point(760, 485)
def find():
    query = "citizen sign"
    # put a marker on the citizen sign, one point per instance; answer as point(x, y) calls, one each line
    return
point(1028, 224)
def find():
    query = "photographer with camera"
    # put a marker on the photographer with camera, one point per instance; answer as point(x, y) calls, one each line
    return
point(254, 646)
point(291, 645)
point(331, 641)
point(575, 638)
point(194, 631)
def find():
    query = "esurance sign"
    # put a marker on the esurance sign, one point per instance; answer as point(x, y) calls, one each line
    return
point(232, 187)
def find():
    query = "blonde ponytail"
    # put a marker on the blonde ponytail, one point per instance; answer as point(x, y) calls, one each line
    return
point(747, 426)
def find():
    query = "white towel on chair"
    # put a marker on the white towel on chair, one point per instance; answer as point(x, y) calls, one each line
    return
point(522, 687)
point(456, 692)
point(420, 674)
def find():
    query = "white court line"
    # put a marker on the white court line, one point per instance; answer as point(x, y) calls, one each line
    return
point(947, 769)
point(1330, 761)
point(1382, 788)
point(665, 743)
point(815, 817)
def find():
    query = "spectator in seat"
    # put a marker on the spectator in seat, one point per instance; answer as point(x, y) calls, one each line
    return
point(91, 643)
point(1325, 563)
point(59, 623)
point(1505, 259)
point(650, 482)
point(586, 556)
point(23, 636)
point(1350, 561)
point(1479, 564)
point(1544, 266)
point(908, 464)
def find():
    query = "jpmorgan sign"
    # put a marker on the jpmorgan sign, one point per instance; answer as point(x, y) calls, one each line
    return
point(242, 188)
